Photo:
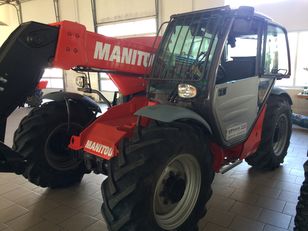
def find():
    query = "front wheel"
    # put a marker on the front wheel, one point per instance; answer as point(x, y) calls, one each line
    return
point(276, 133)
point(164, 183)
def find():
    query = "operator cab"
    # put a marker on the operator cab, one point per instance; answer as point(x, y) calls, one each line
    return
point(220, 63)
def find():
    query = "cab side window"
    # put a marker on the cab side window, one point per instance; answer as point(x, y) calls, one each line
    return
point(275, 59)
point(276, 54)
point(239, 56)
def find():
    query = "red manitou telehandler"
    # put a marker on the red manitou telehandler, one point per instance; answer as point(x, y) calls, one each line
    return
point(196, 101)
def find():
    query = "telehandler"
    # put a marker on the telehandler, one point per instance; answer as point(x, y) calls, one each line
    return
point(196, 101)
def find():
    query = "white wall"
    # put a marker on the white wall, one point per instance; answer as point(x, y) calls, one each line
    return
point(170, 7)
point(38, 10)
point(68, 10)
point(300, 105)
point(110, 11)
point(293, 14)
point(7, 15)
point(203, 4)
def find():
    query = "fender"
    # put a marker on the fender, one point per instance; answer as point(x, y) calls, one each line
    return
point(168, 113)
point(84, 100)
point(280, 92)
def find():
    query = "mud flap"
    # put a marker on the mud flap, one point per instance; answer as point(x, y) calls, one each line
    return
point(10, 161)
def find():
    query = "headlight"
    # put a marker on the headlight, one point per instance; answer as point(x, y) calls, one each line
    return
point(80, 81)
point(187, 91)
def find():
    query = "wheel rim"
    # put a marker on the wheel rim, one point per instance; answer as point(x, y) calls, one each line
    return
point(57, 153)
point(280, 135)
point(177, 191)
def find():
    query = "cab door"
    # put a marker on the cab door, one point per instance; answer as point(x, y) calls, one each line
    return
point(256, 53)
point(235, 101)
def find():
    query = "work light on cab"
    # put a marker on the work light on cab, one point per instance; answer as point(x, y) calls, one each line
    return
point(186, 91)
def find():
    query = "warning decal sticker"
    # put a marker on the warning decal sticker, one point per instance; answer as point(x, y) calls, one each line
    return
point(236, 131)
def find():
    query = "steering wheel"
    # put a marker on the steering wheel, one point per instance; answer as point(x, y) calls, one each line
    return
point(200, 58)
point(196, 65)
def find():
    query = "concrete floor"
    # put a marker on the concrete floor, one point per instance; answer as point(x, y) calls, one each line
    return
point(243, 199)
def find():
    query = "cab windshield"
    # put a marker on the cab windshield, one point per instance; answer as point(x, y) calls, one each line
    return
point(187, 48)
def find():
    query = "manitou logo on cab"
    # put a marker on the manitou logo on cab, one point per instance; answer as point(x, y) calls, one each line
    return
point(99, 148)
point(122, 55)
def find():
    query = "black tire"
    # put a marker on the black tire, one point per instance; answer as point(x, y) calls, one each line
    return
point(276, 133)
point(42, 140)
point(301, 217)
point(134, 185)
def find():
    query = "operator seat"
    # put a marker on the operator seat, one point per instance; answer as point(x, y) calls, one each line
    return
point(236, 69)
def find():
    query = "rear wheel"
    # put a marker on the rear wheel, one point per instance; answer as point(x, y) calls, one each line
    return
point(276, 134)
point(301, 218)
point(164, 183)
point(42, 139)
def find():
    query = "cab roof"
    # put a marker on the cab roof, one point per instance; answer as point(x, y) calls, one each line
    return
point(244, 11)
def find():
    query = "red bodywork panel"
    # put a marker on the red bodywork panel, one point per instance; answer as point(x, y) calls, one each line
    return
point(42, 84)
point(119, 57)
point(79, 47)
point(240, 151)
point(125, 60)
point(102, 137)
point(128, 85)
